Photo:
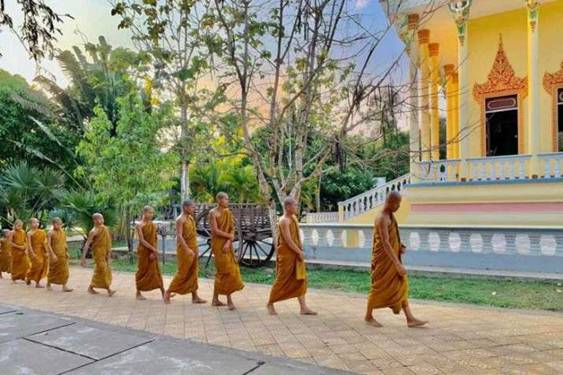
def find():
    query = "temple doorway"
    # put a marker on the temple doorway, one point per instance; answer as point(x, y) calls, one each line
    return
point(502, 125)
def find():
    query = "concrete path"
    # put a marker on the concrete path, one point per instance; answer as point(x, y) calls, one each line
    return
point(459, 340)
point(33, 342)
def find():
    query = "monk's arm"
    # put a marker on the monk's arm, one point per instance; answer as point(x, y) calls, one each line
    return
point(50, 251)
point(383, 229)
point(10, 240)
point(30, 249)
point(91, 236)
point(284, 226)
point(217, 232)
point(142, 240)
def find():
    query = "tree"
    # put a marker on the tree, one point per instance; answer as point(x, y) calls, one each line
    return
point(129, 168)
point(40, 27)
point(317, 70)
point(173, 33)
point(29, 130)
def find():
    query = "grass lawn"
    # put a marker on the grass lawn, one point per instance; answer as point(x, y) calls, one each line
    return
point(539, 295)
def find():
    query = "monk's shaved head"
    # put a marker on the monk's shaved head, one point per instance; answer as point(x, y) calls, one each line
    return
point(289, 201)
point(56, 220)
point(221, 195)
point(393, 201)
point(97, 215)
point(394, 196)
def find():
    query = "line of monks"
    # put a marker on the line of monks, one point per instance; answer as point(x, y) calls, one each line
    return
point(33, 255)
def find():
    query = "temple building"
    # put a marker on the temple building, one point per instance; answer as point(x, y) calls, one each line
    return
point(493, 70)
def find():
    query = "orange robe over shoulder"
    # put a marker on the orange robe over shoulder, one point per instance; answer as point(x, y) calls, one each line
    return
point(58, 271)
point(39, 262)
point(227, 276)
point(185, 280)
point(148, 276)
point(5, 256)
point(388, 288)
point(20, 261)
point(287, 285)
point(101, 247)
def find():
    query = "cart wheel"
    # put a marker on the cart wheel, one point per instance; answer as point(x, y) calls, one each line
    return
point(255, 253)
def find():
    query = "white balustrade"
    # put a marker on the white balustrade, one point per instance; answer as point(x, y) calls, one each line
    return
point(371, 198)
point(321, 217)
point(551, 164)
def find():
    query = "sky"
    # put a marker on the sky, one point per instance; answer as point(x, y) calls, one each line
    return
point(92, 18)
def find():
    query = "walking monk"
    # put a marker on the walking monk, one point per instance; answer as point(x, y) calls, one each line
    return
point(291, 274)
point(185, 280)
point(5, 254)
point(148, 276)
point(100, 240)
point(36, 241)
point(227, 276)
point(17, 241)
point(389, 282)
point(58, 256)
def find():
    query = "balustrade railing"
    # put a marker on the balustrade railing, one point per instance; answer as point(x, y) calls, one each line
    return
point(552, 164)
point(371, 198)
point(321, 217)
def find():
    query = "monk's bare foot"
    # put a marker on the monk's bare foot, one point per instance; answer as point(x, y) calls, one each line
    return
point(139, 297)
point(198, 300)
point(231, 306)
point(166, 297)
point(27, 282)
point(271, 309)
point(67, 289)
point(218, 303)
point(92, 291)
point(39, 285)
point(111, 292)
point(372, 322)
point(49, 287)
point(415, 323)
point(307, 311)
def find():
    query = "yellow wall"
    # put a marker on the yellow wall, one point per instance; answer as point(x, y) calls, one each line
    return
point(551, 56)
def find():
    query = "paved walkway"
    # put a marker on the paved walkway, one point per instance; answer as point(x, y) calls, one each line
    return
point(459, 340)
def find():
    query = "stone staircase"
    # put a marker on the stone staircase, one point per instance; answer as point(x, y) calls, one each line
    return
point(371, 199)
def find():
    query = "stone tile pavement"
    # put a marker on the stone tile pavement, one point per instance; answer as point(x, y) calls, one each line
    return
point(459, 340)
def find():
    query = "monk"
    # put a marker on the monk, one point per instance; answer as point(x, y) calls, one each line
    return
point(58, 256)
point(291, 274)
point(185, 280)
point(36, 241)
point(5, 254)
point(148, 276)
point(227, 276)
point(99, 239)
point(389, 282)
point(17, 241)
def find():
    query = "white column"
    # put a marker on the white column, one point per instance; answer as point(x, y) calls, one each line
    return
point(534, 125)
point(424, 85)
point(414, 130)
point(434, 50)
point(460, 11)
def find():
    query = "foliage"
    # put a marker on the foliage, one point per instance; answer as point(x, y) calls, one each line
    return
point(27, 191)
point(40, 27)
point(28, 129)
point(337, 186)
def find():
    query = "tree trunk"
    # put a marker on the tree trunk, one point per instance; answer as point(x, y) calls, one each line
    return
point(318, 194)
point(184, 152)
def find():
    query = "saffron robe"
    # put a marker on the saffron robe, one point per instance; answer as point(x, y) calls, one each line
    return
point(101, 247)
point(227, 275)
point(58, 271)
point(148, 276)
point(20, 260)
point(39, 262)
point(185, 280)
point(388, 288)
point(5, 256)
point(289, 282)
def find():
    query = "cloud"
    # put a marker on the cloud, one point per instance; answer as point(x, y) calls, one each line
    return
point(361, 3)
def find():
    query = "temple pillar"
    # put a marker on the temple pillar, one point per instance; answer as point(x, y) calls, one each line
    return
point(460, 11)
point(414, 129)
point(455, 114)
point(534, 124)
point(433, 51)
point(450, 126)
point(424, 86)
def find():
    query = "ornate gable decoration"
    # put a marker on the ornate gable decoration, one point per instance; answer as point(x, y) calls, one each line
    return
point(553, 80)
point(501, 79)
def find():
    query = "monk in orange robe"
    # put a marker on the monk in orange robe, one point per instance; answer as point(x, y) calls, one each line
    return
point(5, 254)
point(17, 241)
point(389, 282)
point(99, 239)
point(36, 241)
point(227, 276)
point(291, 274)
point(58, 256)
point(185, 280)
point(148, 276)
